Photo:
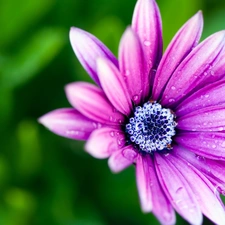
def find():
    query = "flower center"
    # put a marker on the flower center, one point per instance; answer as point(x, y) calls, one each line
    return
point(151, 128)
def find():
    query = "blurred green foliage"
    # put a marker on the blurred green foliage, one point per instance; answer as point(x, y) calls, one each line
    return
point(46, 179)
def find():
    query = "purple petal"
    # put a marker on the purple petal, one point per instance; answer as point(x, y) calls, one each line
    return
point(210, 95)
point(147, 24)
point(194, 70)
point(151, 195)
point(119, 160)
point(92, 102)
point(211, 168)
point(219, 69)
point(202, 189)
point(69, 123)
point(144, 182)
point(208, 144)
point(103, 142)
point(114, 86)
point(177, 190)
point(162, 208)
point(211, 118)
point(181, 45)
point(87, 49)
point(132, 66)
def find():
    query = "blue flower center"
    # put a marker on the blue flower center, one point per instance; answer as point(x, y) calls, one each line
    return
point(151, 128)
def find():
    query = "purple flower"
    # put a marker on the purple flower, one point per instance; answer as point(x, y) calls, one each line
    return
point(164, 114)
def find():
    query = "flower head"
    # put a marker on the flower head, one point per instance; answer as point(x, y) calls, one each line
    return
point(164, 114)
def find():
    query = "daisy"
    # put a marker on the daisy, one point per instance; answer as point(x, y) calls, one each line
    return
point(163, 114)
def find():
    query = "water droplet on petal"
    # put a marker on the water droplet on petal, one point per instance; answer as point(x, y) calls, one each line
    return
point(171, 100)
point(173, 88)
point(112, 134)
point(127, 72)
point(147, 43)
point(135, 97)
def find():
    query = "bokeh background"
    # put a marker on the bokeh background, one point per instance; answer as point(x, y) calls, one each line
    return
point(46, 179)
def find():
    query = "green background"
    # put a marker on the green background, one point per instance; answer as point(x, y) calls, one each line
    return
point(44, 178)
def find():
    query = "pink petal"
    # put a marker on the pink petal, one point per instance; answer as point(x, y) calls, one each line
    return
point(208, 144)
point(151, 195)
point(147, 24)
point(181, 45)
point(122, 158)
point(211, 118)
point(210, 95)
point(87, 49)
point(92, 102)
point(209, 202)
point(103, 142)
point(132, 66)
point(114, 86)
point(211, 168)
point(177, 190)
point(69, 123)
point(162, 208)
point(194, 70)
point(144, 182)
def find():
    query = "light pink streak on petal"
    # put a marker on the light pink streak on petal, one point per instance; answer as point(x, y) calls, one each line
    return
point(122, 158)
point(177, 190)
point(207, 144)
point(103, 142)
point(209, 201)
point(162, 208)
point(69, 123)
point(132, 66)
point(114, 86)
point(211, 118)
point(210, 95)
point(146, 22)
point(180, 46)
point(92, 102)
point(212, 168)
point(144, 182)
point(195, 68)
point(87, 49)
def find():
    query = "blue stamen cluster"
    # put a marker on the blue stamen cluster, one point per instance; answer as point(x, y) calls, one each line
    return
point(151, 128)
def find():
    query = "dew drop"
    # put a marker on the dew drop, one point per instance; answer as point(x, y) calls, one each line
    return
point(171, 100)
point(173, 88)
point(112, 134)
point(212, 73)
point(127, 72)
point(111, 118)
point(135, 97)
point(205, 73)
point(147, 43)
point(220, 128)
point(213, 146)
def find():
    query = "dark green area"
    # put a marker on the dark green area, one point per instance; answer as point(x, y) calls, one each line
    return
point(46, 179)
